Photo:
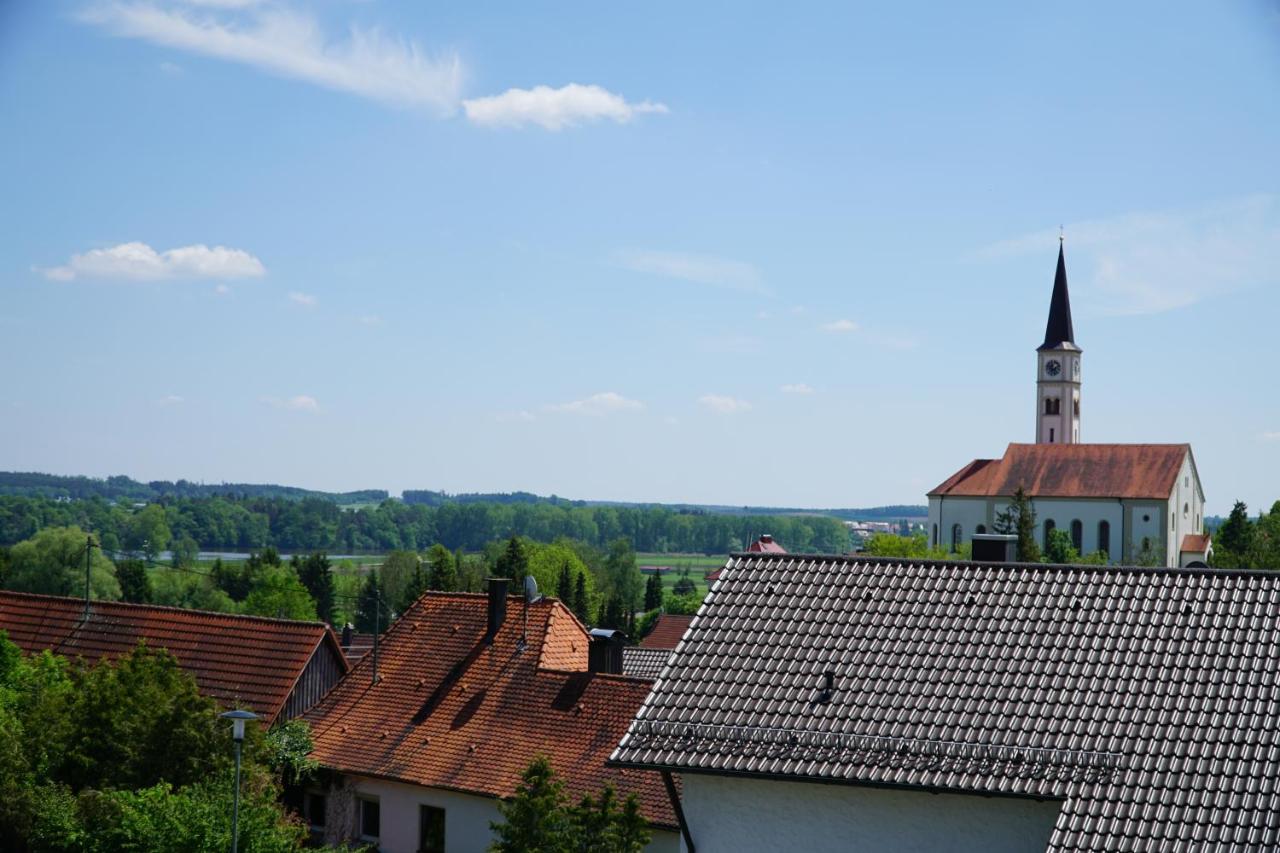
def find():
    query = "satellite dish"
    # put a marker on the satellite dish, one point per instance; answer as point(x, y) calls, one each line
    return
point(530, 589)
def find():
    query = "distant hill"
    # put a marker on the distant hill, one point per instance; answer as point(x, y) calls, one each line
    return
point(30, 484)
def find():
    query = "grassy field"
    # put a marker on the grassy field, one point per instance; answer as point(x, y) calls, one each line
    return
point(697, 564)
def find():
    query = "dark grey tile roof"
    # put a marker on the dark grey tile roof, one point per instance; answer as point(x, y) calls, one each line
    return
point(642, 662)
point(1146, 699)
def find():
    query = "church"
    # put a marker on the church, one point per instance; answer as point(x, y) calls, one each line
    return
point(1136, 503)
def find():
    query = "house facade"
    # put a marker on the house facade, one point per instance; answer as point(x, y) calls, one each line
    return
point(421, 745)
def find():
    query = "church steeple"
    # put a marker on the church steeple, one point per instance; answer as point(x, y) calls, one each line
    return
point(1058, 330)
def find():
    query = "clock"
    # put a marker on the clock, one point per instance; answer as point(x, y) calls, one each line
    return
point(1052, 367)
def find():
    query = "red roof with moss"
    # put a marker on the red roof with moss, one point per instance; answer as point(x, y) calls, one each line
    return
point(1134, 471)
point(239, 661)
point(450, 711)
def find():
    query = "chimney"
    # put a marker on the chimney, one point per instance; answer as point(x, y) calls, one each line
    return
point(497, 607)
point(604, 654)
point(346, 636)
point(766, 538)
point(995, 548)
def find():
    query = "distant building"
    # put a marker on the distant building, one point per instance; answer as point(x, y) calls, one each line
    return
point(766, 545)
point(277, 668)
point(666, 632)
point(1135, 502)
point(465, 698)
point(878, 705)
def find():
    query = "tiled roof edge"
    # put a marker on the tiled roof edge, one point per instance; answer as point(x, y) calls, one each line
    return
point(922, 561)
point(165, 608)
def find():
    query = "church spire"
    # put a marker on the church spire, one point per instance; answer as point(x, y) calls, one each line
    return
point(1058, 330)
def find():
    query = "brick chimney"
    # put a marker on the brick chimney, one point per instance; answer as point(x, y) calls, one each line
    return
point(497, 608)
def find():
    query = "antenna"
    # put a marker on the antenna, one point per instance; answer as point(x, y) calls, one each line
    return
point(530, 597)
point(89, 545)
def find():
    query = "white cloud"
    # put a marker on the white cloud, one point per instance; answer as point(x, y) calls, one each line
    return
point(555, 109)
point(306, 300)
point(221, 289)
point(297, 403)
point(703, 269)
point(1149, 262)
point(140, 262)
point(291, 44)
point(839, 327)
point(1270, 436)
point(797, 388)
point(170, 400)
point(724, 405)
point(604, 403)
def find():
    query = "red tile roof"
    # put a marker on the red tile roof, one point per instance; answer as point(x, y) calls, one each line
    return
point(451, 712)
point(1135, 471)
point(766, 545)
point(1195, 542)
point(666, 632)
point(241, 661)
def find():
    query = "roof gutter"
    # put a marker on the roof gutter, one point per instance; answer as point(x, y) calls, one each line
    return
point(679, 810)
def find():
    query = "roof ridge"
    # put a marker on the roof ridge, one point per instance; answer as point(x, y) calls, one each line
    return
point(932, 561)
point(165, 608)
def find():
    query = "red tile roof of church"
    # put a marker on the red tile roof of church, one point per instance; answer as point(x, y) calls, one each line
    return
point(239, 661)
point(449, 711)
point(1134, 471)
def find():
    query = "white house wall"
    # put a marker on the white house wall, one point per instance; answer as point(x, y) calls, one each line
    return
point(467, 817)
point(739, 815)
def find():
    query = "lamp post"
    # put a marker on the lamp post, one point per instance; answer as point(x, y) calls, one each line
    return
point(238, 719)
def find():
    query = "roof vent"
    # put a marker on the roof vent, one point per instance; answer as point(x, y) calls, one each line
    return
point(604, 654)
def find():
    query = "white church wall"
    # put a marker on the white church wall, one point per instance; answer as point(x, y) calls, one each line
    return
point(737, 815)
point(1147, 520)
point(967, 512)
point(1089, 512)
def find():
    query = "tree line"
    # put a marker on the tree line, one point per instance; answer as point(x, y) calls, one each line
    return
point(321, 525)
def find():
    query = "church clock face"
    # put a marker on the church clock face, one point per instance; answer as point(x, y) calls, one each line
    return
point(1052, 367)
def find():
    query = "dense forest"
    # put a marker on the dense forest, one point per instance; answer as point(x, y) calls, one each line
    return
point(313, 524)
point(29, 484)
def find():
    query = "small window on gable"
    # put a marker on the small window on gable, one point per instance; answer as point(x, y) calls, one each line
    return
point(370, 820)
point(430, 829)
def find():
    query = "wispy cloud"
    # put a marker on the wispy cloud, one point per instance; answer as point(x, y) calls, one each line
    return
point(1270, 436)
point(170, 400)
point(297, 403)
point(723, 404)
point(797, 388)
point(291, 44)
point(703, 269)
point(221, 289)
point(1149, 262)
point(840, 327)
point(306, 300)
point(523, 415)
point(597, 405)
point(140, 262)
point(555, 109)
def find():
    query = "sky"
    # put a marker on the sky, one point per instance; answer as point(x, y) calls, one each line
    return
point(789, 254)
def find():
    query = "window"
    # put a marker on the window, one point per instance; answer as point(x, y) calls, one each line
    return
point(1104, 537)
point(370, 820)
point(1051, 435)
point(1048, 528)
point(980, 529)
point(315, 807)
point(935, 536)
point(430, 829)
point(1186, 481)
point(956, 532)
point(1077, 535)
point(1186, 510)
point(1076, 406)
point(1052, 406)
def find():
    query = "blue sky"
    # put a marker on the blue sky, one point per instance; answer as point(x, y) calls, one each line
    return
point(790, 254)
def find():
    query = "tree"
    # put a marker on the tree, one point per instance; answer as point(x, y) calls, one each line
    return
point(396, 572)
point(513, 563)
point(233, 580)
point(1020, 519)
point(653, 592)
point(533, 821)
point(1234, 539)
point(597, 825)
point(186, 553)
point(444, 572)
point(685, 585)
point(181, 589)
point(1059, 549)
point(625, 580)
point(278, 593)
point(53, 562)
point(580, 598)
point(889, 545)
point(316, 574)
point(373, 616)
point(148, 532)
point(135, 583)
point(564, 584)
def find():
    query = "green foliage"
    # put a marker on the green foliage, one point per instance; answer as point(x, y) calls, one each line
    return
point(513, 562)
point(148, 531)
point(443, 576)
point(682, 605)
point(186, 553)
point(53, 562)
point(580, 604)
point(539, 820)
point(653, 591)
point(1058, 548)
point(548, 564)
point(135, 583)
point(277, 592)
point(373, 614)
point(889, 545)
point(1095, 558)
point(1235, 535)
point(316, 574)
point(622, 576)
point(1020, 519)
point(182, 589)
point(396, 573)
point(287, 747)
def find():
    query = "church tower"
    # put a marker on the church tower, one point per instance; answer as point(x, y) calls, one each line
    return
point(1058, 369)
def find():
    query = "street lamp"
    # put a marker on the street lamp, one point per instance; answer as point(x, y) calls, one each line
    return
point(238, 719)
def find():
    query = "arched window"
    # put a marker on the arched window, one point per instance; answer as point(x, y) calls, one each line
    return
point(980, 529)
point(1104, 537)
point(1048, 528)
point(1077, 406)
point(1077, 535)
point(935, 536)
point(1186, 511)
point(956, 533)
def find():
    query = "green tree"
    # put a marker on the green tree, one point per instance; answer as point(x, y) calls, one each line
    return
point(315, 571)
point(148, 532)
point(372, 613)
point(1234, 539)
point(444, 572)
point(564, 584)
point(625, 580)
point(1058, 548)
point(194, 592)
point(598, 825)
point(135, 583)
point(186, 553)
point(653, 592)
point(580, 599)
point(53, 562)
point(533, 821)
point(1020, 518)
point(278, 593)
point(513, 563)
point(396, 573)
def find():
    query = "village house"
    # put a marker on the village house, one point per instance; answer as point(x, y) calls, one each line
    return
point(831, 703)
point(277, 668)
point(422, 742)
point(647, 659)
